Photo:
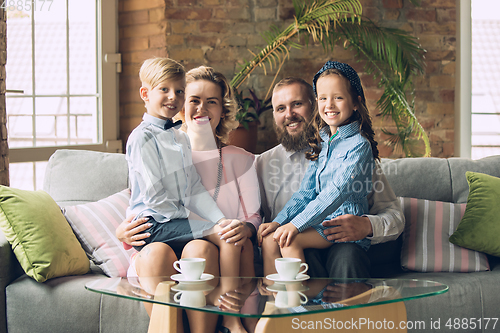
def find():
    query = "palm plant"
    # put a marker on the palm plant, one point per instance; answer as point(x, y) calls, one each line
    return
point(392, 56)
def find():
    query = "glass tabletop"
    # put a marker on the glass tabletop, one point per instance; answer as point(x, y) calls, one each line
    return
point(261, 297)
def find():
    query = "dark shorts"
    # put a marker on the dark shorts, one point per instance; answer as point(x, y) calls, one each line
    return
point(177, 233)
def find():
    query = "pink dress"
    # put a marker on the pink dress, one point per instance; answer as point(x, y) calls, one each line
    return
point(239, 196)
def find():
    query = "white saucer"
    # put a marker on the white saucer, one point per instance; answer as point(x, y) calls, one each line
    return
point(204, 277)
point(182, 286)
point(282, 287)
point(298, 278)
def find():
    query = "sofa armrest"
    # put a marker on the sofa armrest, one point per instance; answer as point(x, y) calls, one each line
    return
point(10, 269)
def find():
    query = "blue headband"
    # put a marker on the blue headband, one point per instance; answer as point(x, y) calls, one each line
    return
point(345, 69)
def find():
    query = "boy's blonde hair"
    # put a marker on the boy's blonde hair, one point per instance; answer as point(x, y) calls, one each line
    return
point(156, 70)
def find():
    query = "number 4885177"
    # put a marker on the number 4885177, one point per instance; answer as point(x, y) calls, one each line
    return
point(26, 5)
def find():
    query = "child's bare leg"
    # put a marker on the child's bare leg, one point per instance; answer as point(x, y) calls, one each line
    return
point(308, 239)
point(270, 252)
point(230, 261)
point(247, 268)
point(230, 254)
point(200, 321)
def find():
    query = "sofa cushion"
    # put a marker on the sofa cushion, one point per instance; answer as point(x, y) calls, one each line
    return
point(94, 224)
point(41, 239)
point(480, 227)
point(65, 305)
point(425, 240)
point(459, 166)
point(405, 176)
point(78, 176)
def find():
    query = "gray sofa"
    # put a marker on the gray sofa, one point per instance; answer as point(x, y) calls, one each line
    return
point(64, 305)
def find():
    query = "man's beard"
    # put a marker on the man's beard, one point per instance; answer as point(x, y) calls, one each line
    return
point(296, 142)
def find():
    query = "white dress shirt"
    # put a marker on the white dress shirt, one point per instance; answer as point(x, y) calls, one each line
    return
point(164, 183)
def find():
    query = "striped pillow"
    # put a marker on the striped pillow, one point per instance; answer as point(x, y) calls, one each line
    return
point(94, 225)
point(426, 247)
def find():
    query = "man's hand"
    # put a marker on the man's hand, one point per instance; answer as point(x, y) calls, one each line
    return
point(131, 232)
point(265, 229)
point(284, 234)
point(348, 228)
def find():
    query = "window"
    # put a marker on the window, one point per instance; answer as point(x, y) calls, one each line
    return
point(61, 74)
point(478, 82)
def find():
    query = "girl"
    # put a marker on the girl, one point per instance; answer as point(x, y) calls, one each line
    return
point(338, 180)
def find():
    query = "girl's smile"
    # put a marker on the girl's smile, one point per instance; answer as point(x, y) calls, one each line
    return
point(335, 103)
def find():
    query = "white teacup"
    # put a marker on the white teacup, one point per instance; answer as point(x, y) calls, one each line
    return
point(193, 298)
point(290, 299)
point(191, 268)
point(288, 268)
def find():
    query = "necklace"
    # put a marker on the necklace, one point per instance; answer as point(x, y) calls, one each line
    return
point(219, 175)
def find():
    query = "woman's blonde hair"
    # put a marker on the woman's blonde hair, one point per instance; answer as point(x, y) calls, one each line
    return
point(229, 106)
point(156, 70)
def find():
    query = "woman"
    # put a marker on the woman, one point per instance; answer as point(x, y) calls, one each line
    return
point(228, 174)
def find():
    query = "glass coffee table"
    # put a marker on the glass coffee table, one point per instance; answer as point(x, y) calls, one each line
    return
point(279, 306)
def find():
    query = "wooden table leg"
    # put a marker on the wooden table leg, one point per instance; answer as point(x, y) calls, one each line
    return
point(164, 318)
point(391, 316)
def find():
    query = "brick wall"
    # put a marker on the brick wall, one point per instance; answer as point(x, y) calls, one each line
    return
point(219, 33)
point(4, 148)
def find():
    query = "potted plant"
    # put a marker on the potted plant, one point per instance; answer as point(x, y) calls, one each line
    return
point(392, 56)
point(249, 110)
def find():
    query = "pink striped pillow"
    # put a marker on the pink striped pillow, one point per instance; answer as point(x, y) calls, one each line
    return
point(426, 247)
point(94, 225)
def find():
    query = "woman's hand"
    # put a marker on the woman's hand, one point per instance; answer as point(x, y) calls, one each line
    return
point(235, 232)
point(131, 232)
point(284, 234)
point(265, 229)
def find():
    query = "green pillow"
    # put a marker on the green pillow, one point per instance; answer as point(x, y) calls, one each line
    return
point(39, 234)
point(479, 228)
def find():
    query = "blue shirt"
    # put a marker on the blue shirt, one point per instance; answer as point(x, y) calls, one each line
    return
point(164, 183)
point(337, 183)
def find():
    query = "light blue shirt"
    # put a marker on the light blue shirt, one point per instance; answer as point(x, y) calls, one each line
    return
point(163, 180)
point(337, 183)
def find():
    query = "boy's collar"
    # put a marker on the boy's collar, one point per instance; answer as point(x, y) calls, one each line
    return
point(162, 123)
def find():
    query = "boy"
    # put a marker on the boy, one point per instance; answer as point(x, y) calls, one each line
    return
point(163, 180)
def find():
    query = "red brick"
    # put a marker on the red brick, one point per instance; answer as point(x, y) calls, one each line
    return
point(133, 5)
point(447, 95)
point(391, 15)
point(421, 15)
point(192, 40)
point(448, 149)
point(438, 3)
point(157, 41)
point(212, 27)
point(188, 14)
point(133, 44)
point(133, 18)
point(285, 13)
point(446, 15)
point(184, 3)
point(392, 3)
point(431, 28)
